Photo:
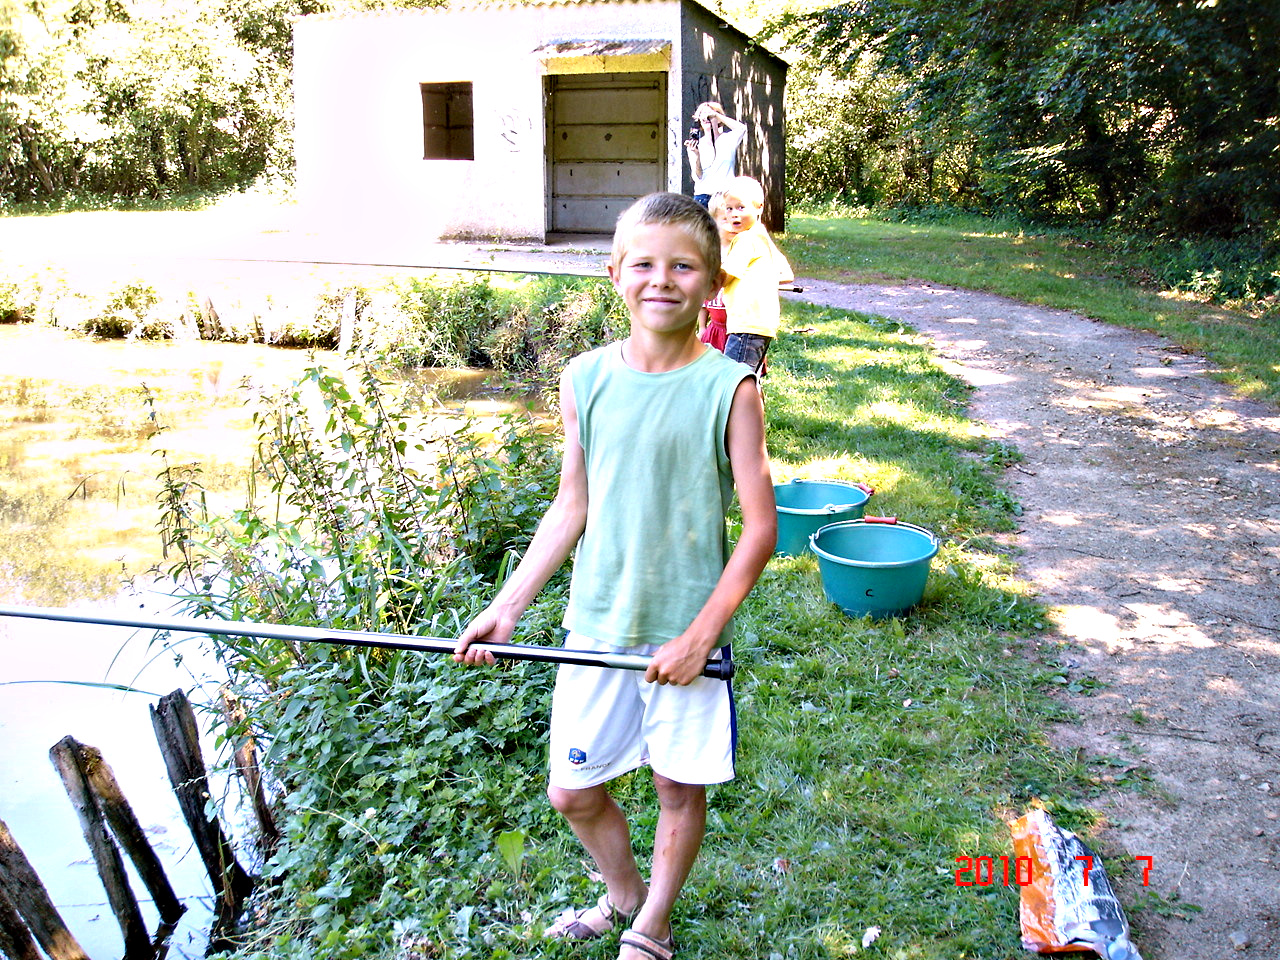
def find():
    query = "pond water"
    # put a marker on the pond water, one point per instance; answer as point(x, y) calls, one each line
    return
point(78, 467)
point(46, 695)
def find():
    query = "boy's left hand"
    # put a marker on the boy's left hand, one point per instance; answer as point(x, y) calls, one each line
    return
point(679, 661)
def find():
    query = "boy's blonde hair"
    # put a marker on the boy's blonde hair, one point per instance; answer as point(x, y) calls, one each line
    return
point(715, 206)
point(746, 189)
point(670, 209)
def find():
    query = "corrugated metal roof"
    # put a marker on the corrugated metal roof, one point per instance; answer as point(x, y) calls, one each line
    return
point(600, 48)
point(463, 5)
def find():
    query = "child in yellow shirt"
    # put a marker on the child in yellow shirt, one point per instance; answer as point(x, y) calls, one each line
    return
point(754, 267)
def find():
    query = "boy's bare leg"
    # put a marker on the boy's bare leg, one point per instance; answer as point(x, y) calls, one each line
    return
point(602, 827)
point(682, 821)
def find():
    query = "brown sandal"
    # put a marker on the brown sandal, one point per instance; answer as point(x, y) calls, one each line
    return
point(657, 949)
point(582, 925)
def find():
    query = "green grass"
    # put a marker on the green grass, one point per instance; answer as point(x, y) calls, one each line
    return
point(94, 203)
point(1051, 269)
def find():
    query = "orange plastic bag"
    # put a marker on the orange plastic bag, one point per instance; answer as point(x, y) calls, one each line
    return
point(1069, 904)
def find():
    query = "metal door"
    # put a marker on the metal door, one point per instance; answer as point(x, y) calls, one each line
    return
point(606, 146)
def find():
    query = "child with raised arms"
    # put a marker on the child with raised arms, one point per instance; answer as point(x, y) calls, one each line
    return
point(660, 430)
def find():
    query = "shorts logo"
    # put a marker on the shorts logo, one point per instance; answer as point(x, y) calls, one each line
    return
point(577, 757)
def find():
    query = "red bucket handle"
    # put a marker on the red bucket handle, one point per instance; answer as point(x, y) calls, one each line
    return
point(880, 519)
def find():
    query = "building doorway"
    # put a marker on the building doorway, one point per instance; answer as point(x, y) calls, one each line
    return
point(606, 146)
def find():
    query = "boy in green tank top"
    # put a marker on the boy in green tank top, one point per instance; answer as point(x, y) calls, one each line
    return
point(660, 430)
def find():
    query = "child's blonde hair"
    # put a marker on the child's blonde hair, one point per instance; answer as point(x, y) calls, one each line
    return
point(670, 209)
point(715, 206)
point(746, 189)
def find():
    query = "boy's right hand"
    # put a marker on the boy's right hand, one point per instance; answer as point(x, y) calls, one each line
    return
point(488, 627)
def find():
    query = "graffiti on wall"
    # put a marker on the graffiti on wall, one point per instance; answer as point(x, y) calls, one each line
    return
point(699, 89)
point(516, 129)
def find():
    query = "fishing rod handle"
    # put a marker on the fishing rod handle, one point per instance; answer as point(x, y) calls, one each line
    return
point(716, 669)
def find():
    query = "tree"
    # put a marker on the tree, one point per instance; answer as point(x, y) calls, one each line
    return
point(1165, 110)
point(139, 98)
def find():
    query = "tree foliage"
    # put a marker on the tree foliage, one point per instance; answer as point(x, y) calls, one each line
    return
point(145, 98)
point(1159, 112)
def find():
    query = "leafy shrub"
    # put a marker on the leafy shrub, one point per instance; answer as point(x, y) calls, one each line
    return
point(563, 317)
point(500, 489)
point(15, 305)
point(396, 784)
point(451, 319)
point(128, 310)
point(528, 328)
point(396, 771)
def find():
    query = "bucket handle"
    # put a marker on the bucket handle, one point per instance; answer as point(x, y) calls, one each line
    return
point(893, 521)
point(834, 507)
point(865, 488)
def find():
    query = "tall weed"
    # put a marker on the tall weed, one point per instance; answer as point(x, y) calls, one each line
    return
point(375, 508)
point(371, 512)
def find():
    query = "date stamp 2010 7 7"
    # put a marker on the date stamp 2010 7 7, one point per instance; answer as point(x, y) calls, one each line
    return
point(983, 872)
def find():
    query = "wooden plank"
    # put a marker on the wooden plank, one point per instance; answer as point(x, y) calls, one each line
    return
point(610, 106)
point(175, 726)
point(246, 757)
point(599, 81)
point(66, 758)
point(605, 142)
point(579, 180)
point(128, 831)
point(29, 897)
point(16, 941)
point(589, 216)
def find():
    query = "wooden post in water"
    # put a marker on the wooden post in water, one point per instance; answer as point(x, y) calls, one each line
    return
point(347, 324)
point(66, 758)
point(124, 824)
point(246, 756)
point(30, 899)
point(175, 725)
point(16, 942)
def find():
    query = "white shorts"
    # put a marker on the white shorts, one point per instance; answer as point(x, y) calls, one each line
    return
point(606, 722)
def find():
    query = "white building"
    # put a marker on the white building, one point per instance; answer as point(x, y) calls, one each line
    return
point(512, 121)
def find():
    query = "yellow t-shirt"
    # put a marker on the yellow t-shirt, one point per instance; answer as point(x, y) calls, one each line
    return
point(751, 292)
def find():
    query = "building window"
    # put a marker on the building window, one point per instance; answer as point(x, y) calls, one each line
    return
point(447, 122)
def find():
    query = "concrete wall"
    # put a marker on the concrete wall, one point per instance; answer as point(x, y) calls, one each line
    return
point(718, 62)
point(358, 110)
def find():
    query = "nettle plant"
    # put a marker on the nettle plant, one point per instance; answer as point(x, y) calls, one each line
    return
point(395, 773)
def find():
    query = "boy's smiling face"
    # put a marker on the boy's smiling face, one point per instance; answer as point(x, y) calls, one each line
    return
point(740, 214)
point(662, 277)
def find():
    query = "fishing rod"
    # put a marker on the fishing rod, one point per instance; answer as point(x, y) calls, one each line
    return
point(716, 669)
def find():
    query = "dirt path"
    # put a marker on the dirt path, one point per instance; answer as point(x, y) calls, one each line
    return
point(1151, 527)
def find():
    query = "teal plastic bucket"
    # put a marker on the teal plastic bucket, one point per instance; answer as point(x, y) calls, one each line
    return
point(876, 566)
point(806, 505)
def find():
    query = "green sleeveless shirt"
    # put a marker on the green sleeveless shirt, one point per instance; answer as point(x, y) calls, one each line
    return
point(659, 485)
